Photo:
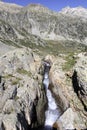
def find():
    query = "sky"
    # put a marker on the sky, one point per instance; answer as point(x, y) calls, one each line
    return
point(55, 5)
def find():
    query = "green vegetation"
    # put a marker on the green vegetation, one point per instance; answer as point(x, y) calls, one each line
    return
point(8, 76)
point(70, 62)
point(24, 72)
point(10, 43)
point(34, 42)
point(15, 81)
point(54, 47)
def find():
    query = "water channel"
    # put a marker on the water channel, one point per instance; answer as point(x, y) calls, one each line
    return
point(53, 112)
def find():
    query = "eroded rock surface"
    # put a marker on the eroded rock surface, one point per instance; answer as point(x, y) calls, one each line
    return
point(80, 79)
point(22, 98)
point(68, 119)
point(73, 113)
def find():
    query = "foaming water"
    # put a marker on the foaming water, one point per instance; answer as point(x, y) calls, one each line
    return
point(46, 80)
point(52, 112)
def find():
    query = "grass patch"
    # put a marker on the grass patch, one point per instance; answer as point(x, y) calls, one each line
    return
point(8, 76)
point(53, 47)
point(15, 81)
point(24, 72)
point(70, 62)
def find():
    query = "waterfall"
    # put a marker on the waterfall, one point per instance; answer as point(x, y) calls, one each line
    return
point(52, 112)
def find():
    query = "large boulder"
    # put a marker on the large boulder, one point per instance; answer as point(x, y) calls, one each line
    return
point(67, 119)
point(57, 84)
point(22, 96)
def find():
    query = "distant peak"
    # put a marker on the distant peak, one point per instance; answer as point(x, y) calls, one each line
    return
point(73, 8)
point(37, 8)
point(76, 11)
point(34, 6)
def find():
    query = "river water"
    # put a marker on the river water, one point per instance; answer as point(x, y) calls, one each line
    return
point(53, 112)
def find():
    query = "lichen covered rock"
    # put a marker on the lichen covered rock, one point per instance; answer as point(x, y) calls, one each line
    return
point(22, 96)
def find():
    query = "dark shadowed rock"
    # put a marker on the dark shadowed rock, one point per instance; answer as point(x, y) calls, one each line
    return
point(80, 79)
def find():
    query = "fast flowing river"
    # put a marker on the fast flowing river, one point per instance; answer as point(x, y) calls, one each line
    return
point(52, 112)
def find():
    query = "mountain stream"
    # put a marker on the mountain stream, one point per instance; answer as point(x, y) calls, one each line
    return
point(52, 112)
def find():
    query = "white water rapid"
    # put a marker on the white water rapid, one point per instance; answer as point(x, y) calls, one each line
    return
point(52, 112)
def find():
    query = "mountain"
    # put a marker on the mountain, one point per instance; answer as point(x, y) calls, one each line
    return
point(33, 40)
point(9, 7)
point(78, 11)
point(39, 21)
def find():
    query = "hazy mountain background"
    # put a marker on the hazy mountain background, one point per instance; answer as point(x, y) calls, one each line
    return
point(35, 25)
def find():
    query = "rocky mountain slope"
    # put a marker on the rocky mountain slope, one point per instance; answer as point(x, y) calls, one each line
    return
point(79, 12)
point(22, 96)
point(28, 36)
point(69, 90)
point(43, 23)
point(9, 7)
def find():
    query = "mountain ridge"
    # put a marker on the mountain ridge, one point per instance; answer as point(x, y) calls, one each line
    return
point(37, 23)
point(12, 8)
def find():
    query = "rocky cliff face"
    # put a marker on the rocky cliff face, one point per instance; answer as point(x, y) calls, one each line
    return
point(21, 93)
point(80, 79)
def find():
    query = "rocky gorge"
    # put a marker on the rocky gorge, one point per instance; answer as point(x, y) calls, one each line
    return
point(29, 37)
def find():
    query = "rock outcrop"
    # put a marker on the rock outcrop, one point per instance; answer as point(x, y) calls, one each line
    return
point(22, 96)
point(5, 48)
point(73, 115)
point(80, 79)
point(56, 81)
point(67, 119)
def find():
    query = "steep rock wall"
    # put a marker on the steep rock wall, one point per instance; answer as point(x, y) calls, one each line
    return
point(23, 99)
